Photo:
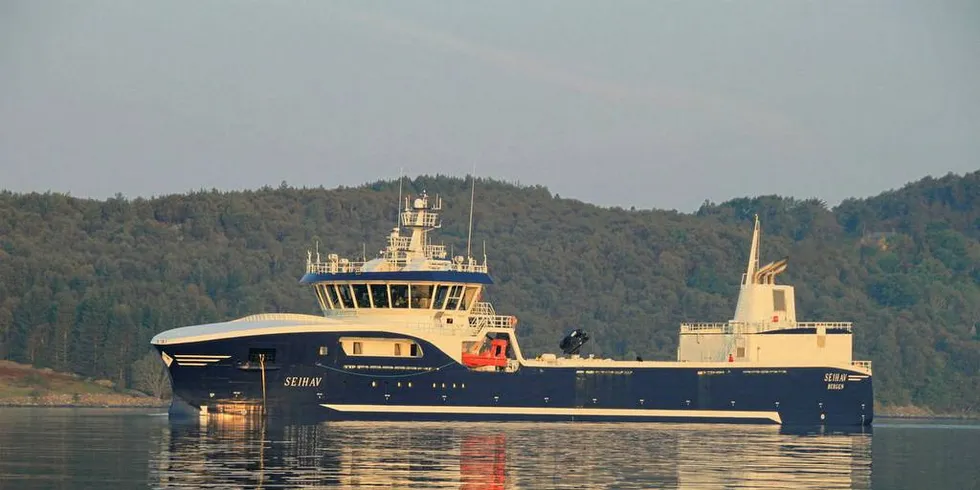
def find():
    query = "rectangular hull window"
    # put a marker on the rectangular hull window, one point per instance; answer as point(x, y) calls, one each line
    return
point(380, 347)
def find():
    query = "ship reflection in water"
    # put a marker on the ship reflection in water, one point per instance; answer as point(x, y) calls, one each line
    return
point(237, 452)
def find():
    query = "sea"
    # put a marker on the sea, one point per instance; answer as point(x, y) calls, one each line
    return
point(106, 448)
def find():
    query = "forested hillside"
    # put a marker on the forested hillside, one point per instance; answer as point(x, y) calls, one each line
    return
point(84, 284)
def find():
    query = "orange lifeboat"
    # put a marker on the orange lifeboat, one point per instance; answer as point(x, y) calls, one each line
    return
point(495, 356)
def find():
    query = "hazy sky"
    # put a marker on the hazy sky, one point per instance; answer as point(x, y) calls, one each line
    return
point(636, 103)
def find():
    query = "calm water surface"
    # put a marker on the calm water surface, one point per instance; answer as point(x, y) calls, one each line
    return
point(110, 449)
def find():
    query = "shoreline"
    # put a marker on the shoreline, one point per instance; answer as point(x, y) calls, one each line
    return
point(936, 416)
point(912, 412)
point(84, 401)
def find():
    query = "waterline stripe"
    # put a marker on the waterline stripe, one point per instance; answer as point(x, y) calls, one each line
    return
point(598, 412)
point(191, 363)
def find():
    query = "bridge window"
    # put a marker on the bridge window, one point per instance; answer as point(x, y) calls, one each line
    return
point(455, 294)
point(399, 295)
point(398, 349)
point(380, 294)
point(321, 296)
point(343, 293)
point(331, 293)
point(468, 298)
point(361, 295)
point(421, 295)
point(358, 348)
point(441, 292)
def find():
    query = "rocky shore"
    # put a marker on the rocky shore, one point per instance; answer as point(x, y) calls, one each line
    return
point(22, 385)
point(114, 400)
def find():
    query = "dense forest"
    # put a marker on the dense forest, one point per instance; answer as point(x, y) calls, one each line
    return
point(85, 283)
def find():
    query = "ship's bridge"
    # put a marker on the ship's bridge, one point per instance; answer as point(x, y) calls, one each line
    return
point(409, 275)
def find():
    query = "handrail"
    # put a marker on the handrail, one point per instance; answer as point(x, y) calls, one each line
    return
point(357, 267)
point(402, 252)
point(483, 315)
point(340, 312)
point(754, 327)
point(862, 364)
point(280, 316)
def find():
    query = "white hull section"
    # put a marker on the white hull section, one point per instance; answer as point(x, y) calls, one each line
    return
point(555, 412)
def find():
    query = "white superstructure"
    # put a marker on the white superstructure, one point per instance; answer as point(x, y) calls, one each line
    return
point(764, 329)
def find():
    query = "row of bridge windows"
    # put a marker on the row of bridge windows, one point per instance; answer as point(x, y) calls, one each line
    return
point(384, 295)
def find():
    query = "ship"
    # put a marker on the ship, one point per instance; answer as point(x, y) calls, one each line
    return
point(409, 335)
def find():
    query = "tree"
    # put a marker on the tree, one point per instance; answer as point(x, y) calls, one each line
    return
point(150, 375)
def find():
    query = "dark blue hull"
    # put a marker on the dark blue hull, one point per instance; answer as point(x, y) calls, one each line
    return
point(300, 383)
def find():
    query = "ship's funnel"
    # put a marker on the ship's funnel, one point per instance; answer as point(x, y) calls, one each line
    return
point(760, 300)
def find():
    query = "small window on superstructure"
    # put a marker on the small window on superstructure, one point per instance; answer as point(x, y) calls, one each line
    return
point(779, 300)
point(398, 349)
point(440, 299)
point(323, 350)
point(361, 295)
point(399, 295)
point(358, 349)
point(413, 350)
point(379, 292)
point(421, 295)
point(346, 299)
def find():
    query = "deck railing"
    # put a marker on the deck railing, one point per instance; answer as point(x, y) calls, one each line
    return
point(862, 364)
point(756, 327)
point(483, 315)
point(333, 267)
point(347, 267)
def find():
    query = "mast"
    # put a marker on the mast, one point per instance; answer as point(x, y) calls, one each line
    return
point(469, 233)
point(753, 255)
point(420, 217)
point(398, 222)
